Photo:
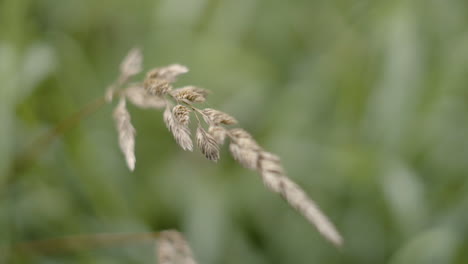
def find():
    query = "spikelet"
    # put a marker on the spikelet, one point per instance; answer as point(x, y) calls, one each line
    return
point(126, 133)
point(168, 73)
point(244, 139)
point(139, 97)
point(207, 144)
point(156, 87)
point(131, 65)
point(243, 148)
point(190, 94)
point(180, 131)
point(217, 117)
point(173, 248)
point(218, 133)
point(181, 114)
point(246, 157)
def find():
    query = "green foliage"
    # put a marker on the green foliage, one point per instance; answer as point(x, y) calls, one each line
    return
point(365, 101)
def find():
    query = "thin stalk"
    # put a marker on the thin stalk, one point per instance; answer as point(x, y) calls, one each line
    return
point(25, 159)
point(81, 242)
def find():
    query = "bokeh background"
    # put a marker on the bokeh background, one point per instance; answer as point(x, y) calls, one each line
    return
point(365, 101)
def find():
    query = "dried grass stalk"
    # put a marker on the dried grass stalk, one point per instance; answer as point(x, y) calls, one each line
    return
point(243, 147)
point(139, 97)
point(180, 131)
point(126, 133)
point(173, 248)
point(207, 144)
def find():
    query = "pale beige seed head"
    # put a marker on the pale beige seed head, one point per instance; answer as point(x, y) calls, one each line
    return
point(239, 133)
point(181, 134)
point(168, 118)
point(168, 73)
point(270, 163)
point(190, 94)
point(132, 64)
point(244, 139)
point(180, 131)
point(126, 133)
point(247, 157)
point(265, 155)
point(156, 87)
point(207, 144)
point(218, 133)
point(181, 114)
point(216, 117)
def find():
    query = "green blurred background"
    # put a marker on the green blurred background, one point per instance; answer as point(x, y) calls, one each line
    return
point(365, 101)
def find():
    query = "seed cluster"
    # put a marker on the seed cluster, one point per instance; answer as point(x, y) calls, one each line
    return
point(156, 91)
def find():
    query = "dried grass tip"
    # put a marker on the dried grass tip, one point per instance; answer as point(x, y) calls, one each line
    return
point(297, 198)
point(131, 65)
point(275, 179)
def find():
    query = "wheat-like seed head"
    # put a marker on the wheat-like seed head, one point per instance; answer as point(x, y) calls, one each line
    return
point(157, 87)
point(156, 92)
point(190, 94)
point(244, 139)
point(168, 73)
point(207, 144)
point(181, 114)
point(245, 156)
point(126, 133)
point(181, 132)
point(218, 133)
point(216, 117)
point(131, 65)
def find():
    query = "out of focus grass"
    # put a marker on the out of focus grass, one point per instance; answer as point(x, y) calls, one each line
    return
point(365, 101)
